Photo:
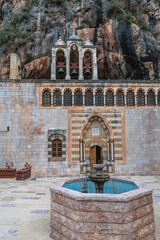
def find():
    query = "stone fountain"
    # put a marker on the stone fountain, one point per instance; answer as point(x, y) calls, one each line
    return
point(99, 178)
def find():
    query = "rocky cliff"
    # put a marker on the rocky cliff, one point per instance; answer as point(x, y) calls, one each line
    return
point(126, 32)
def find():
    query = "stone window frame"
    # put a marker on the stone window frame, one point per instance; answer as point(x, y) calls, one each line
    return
point(46, 100)
point(54, 135)
point(130, 97)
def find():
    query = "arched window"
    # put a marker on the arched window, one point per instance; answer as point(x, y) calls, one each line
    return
point(57, 98)
point(78, 98)
point(60, 65)
point(130, 98)
point(87, 62)
point(151, 98)
point(140, 98)
point(99, 98)
point(74, 61)
point(158, 98)
point(46, 98)
point(109, 98)
point(89, 98)
point(120, 98)
point(56, 148)
point(68, 98)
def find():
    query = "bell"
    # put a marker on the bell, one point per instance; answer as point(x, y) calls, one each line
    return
point(88, 71)
point(61, 70)
point(74, 72)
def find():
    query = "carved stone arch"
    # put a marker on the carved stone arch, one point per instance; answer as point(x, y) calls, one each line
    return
point(56, 136)
point(85, 50)
point(78, 89)
point(60, 60)
point(151, 89)
point(130, 89)
point(98, 142)
point(109, 89)
point(103, 119)
point(120, 89)
point(140, 89)
point(57, 89)
point(99, 89)
point(68, 89)
point(88, 64)
point(46, 89)
point(109, 97)
point(151, 97)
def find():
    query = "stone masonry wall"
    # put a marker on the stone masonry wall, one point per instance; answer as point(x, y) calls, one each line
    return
point(28, 123)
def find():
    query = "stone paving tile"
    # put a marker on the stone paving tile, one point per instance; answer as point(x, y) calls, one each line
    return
point(25, 211)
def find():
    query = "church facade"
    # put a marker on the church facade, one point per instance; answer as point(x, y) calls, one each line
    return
point(64, 125)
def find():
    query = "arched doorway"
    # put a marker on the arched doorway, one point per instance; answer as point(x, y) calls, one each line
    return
point(96, 142)
point(95, 156)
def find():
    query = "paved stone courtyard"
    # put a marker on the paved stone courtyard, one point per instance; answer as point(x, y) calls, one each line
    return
point(25, 207)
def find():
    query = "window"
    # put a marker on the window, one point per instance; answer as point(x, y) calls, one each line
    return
point(57, 148)
point(99, 98)
point(158, 98)
point(89, 98)
point(46, 98)
point(140, 98)
point(130, 98)
point(68, 98)
point(109, 98)
point(151, 98)
point(95, 131)
point(78, 98)
point(120, 98)
point(57, 98)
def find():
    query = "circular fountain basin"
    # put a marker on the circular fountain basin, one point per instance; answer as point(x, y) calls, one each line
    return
point(79, 213)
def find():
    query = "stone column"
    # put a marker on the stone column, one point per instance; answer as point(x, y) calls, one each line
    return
point(84, 153)
point(104, 98)
point(62, 100)
point(81, 152)
point(95, 67)
point(53, 65)
point(115, 100)
point(108, 152)
point(81, 77)
point(112, 152)
point(136, 100)
point(156, 100)
point(51, 100)
point(68, 65)
point(146, 100)
point(125, 100)
point(94, 100)
point(83, 100)
point(72, 100)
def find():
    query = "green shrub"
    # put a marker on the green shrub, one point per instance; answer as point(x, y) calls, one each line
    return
point(114, 6)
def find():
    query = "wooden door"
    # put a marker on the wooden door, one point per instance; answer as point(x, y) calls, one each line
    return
point(92, 157)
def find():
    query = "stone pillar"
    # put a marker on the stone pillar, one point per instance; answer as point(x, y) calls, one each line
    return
point(84, 153)
point(94, 100)
point(81, 77)
point(81, 152)
point(68, 65)
point(135, 100)
point(83, 100)
point(95, 67)
point(72, 100)
point(125, 100)
point(156, 100)
point(51, 100)
point(112, 152)
point(62, 100)
point(146, 100)
point(14, 66)
point(115, 100)
point(104, 98)
point(53, 65)
point(108, 152)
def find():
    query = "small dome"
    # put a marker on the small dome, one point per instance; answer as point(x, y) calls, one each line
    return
point(75, 37)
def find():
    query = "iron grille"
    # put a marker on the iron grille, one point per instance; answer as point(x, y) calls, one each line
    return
point(120, 98)
point(67, 98)
point(109, 98)
point(57, 148)
point(89, 98)
point(130, 98)
point(99, 98)
point(46, 98)
point(140, 98)
point(57, 98)
point(151, 98)
point(78, 98)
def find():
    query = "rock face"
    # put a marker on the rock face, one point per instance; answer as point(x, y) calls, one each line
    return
point(127, 35)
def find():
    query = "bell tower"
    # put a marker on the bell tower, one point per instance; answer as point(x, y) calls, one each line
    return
point(74, 60)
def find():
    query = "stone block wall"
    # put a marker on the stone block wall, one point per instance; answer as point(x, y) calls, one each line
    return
point(136, 130)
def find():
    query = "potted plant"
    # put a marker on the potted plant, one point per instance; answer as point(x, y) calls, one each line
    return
point(8, 172)
point(24, 173)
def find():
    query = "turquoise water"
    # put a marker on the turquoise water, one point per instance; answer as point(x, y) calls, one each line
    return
point(110, 187)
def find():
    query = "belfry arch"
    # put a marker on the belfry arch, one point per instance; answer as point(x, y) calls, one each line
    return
point(96, 142)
